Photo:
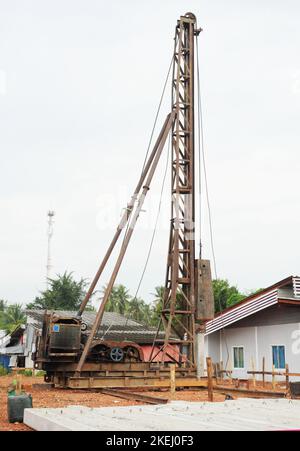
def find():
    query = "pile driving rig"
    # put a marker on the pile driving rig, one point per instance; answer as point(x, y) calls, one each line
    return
point(71, 355)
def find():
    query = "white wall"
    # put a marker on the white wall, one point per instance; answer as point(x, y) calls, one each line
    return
point(257, 343)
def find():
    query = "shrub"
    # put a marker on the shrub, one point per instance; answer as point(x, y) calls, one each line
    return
point(3, 371)
point(40, 373)
point(26, 373)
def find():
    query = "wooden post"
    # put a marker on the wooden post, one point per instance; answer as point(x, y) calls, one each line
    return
point(287, 377)
point(221, 370)
point(263, 371)
point(217, 372)
point(254, 375)
point(231, 372)
point(173, 380)
point(19, 384)
point(210, 379)
point(273, 378)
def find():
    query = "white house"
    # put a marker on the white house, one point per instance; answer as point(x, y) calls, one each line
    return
point(263, 326)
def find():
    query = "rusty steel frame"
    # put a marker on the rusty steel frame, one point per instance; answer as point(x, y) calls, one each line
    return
point(178, 313)
point(147, 179)
point(124, 220)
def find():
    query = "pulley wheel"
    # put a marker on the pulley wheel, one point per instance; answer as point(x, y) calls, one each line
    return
point(116, 354)
point(83, 327)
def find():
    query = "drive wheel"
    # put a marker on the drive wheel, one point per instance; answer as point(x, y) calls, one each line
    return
point(117, 354)
point(132, 354)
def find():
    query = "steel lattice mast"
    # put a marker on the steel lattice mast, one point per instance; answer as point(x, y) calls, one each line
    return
point(178, 314)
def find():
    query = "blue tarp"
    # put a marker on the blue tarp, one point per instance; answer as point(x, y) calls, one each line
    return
point(4, 361)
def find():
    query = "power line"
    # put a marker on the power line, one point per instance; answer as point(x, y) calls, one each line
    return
point(156, 222)
point(162, 188)
point(201, 147)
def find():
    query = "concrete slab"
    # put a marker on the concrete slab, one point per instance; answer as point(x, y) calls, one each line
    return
point(239, 415)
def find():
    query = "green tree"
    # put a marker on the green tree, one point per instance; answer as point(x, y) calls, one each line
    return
point(139, 310)
point(225, 295)
point(157, 305)
point(119, 299)
point(13, 316)
point(147, 314)
point(3, 305)
point(64, 293)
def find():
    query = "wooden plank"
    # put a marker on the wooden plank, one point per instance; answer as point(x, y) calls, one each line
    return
point(111, 382)
point(135, 396)
point(248, 392)
point(268, 373)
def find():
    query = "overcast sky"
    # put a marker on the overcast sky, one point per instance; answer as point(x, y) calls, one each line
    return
point(80, 83)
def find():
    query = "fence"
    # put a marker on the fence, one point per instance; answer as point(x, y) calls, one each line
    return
point(257, 385)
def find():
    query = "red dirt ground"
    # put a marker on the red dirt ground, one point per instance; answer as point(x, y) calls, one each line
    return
point(43, 396)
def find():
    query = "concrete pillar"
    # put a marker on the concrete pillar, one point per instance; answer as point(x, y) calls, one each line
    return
point(200, 354)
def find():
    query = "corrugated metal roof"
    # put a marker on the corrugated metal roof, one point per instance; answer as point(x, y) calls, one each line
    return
point(251, 305)
point(5, 339)
point(296, 286)
point(89, 317)
point(2, 333)
point(11, 350)
point(242, 311)
point(114, 327)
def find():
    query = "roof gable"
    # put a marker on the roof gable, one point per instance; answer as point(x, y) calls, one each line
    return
point(253, 304)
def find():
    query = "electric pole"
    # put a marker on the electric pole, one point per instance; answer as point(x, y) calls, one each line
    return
point(50, 215)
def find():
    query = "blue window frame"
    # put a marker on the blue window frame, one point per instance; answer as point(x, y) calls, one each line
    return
point(278, 353)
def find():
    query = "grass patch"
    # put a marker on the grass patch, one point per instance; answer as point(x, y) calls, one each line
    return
point(40, 373)
point(3, 371)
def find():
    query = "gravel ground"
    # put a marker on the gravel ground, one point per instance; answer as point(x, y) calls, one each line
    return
point(42, 396)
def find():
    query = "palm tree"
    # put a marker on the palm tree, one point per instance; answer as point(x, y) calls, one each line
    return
point(137, 309)
point(147, 314)
point(119, 299)
point(64, 293)
point(157, 304)
point(3, 305)
point(123, 299)
point(13, 317)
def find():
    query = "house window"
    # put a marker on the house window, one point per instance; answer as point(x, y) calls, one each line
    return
point(238, 357)
point(278, 353)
